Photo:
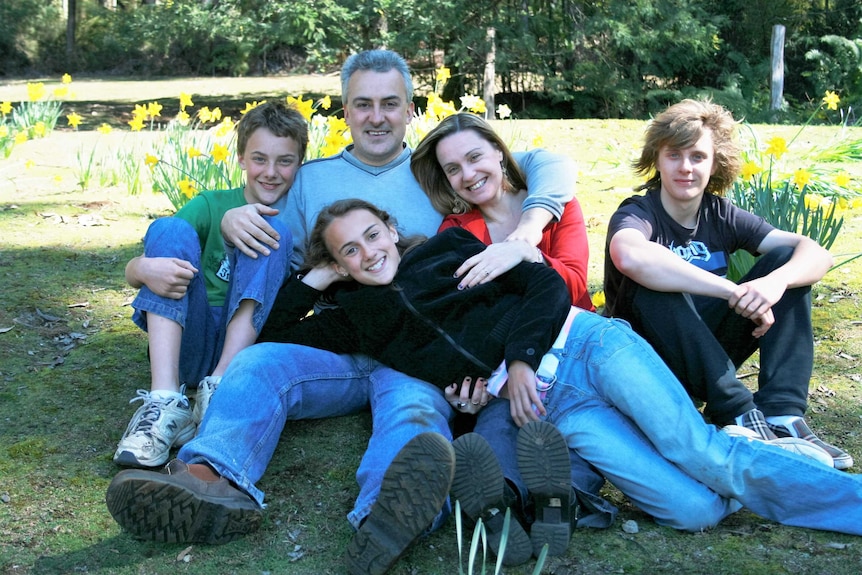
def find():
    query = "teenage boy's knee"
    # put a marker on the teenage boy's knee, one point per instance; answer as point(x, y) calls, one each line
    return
point(172, 237)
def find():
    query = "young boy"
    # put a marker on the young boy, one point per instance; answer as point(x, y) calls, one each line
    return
point(665, 272)
point(197, 314)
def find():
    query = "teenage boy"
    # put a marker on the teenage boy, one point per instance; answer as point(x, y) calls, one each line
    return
point(195, 317)
point(666, 261)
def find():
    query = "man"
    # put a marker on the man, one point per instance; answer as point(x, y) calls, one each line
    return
point(216, 473)
point(665, 264)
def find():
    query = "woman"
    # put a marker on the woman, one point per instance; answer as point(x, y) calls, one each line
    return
point(608, 392)
point(470, 176)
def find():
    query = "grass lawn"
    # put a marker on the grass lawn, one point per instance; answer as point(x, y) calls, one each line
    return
point(70, 360)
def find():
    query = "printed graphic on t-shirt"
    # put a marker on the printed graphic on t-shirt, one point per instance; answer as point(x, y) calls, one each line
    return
point(223, 272)
point(698, 253)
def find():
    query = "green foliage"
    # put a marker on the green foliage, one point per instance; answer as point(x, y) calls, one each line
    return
point(27, 29)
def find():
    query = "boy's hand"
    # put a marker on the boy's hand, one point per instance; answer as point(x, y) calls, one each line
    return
point(167, 277)
point(245, 229)
point(523, 397)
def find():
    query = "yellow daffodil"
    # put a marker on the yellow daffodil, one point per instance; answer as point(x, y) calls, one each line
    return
point(35, 91)
point(154, 109)
point(58, 178)
point(304, 107)
point(503, 111)
point(151, 161)
point(66, 79)
point(326, 102)
point(20, 138)
point(831, 100)
point(39, 129)
point(104, 128)
point(856, 203)
point(443, 74)
point(183, 118)
point(812, 201)
point(843, 179)
point(249, 106)
point(4, 131)
point(225, 127)
point(473, 103)
point(843, 204)
point(187, 188)
point(74, 119)
point(5, 108)
point(193, 152)
point(538, 141)
point(185, 100)
point(219, 153)
point(140, 112)
point(61, 92)
point(215, 116)
point(29, 164)
point(801, 177)
point(205, 115)
point(136, 123)
point(336, 124)
point(776, 147)
point(750, 169)
point(599, 299)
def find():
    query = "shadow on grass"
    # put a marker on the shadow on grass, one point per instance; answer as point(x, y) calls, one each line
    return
point(106, 556)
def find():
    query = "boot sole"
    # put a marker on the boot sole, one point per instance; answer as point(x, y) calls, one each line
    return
point(543, 459)
point(412, 493)
point(155, 509)
point(478, 485)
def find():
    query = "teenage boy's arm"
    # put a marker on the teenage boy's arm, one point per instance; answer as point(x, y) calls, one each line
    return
point(550, 184)
point(809, 262)
point(657, 268)
point(245, 229)
point(167, 277)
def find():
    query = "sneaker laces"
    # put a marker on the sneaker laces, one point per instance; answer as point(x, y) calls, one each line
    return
point(150, 413)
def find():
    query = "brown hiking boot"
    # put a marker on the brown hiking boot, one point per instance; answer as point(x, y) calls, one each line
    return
point(174, 506)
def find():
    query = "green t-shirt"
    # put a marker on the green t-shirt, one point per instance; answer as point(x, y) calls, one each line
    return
point(204, 212)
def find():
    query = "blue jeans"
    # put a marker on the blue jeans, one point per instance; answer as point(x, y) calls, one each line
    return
point(203, 325)
point(269, 384)
point(624, 411)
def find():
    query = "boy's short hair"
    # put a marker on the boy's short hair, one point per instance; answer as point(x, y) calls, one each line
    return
point(282, 120)
point(681, 126)
point(380, 61)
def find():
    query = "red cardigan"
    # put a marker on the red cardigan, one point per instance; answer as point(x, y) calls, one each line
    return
point(564, 245)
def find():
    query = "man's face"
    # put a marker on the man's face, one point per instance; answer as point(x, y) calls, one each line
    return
point(377, 112)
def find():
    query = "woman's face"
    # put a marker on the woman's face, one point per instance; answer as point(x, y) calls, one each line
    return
point(472, 165)
point(363, 247)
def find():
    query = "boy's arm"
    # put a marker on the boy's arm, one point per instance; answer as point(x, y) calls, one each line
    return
point(550, 186)
point(657, 268)
point(166, 277)
point(809, 262)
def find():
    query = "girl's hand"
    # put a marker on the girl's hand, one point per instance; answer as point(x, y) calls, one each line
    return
point(494, 261)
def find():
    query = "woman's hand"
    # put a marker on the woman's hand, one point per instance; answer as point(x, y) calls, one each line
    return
point(462, 400)
point(494, 261)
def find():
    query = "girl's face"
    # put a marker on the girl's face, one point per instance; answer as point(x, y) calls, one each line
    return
point(685, 173)
point(363, 247)
point(472, 165)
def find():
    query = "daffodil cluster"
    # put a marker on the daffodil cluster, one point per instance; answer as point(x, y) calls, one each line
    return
point(35, 118)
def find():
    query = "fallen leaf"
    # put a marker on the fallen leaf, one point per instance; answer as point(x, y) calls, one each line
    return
point(185, 554)
point(5, 329)
point(47, 317)
point(80, 304)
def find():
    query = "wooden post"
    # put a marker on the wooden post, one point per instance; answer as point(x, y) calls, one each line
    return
point(489, 88)
point(777, 85)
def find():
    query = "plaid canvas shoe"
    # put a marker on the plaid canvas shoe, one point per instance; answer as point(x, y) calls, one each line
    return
point(156, 426)
point(754, 420)
point(798, 428)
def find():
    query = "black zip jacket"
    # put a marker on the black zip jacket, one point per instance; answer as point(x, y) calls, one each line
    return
point(422, 325)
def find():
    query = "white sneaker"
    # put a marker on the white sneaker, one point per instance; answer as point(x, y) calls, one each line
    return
point(157, 425)
point(206, 389)
point(792, 444)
